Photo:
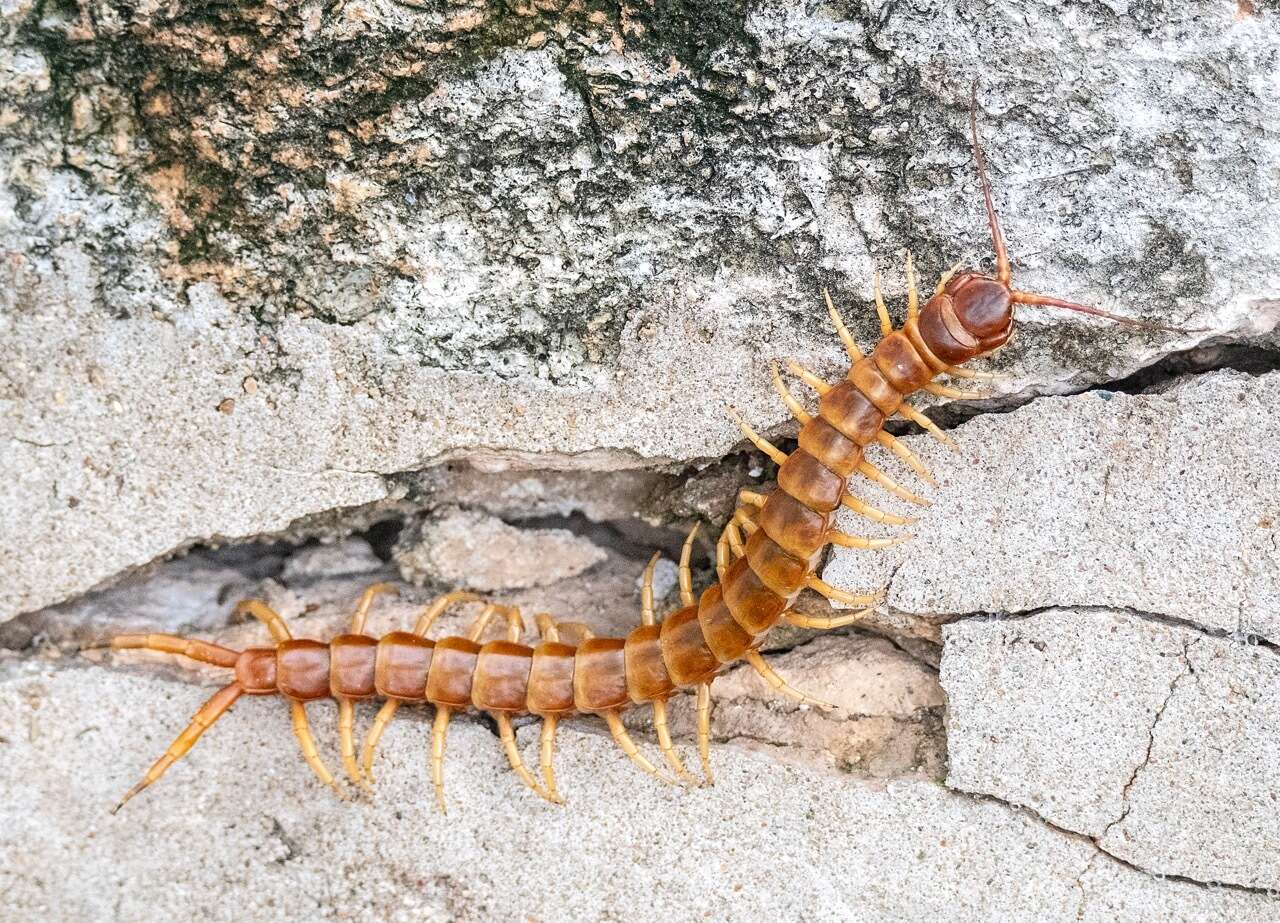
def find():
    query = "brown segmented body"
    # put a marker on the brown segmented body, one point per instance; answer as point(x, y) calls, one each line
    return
point(969, 315)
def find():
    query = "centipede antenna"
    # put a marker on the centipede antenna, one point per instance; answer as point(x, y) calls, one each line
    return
point(1003, 272)
point(1030, 299)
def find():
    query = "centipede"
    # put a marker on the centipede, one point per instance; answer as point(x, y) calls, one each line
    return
point(767, 553)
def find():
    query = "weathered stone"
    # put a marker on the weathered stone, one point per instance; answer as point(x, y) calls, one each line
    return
point(470, 550)
point(1163, 502)
point(1160, 742)
point(241, 830)
point(885, 723)
point(259, 258)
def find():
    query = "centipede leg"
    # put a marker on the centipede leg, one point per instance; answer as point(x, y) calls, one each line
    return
point(686, 575)
point(974, 374)
point(857, 541)
point(546, 757)
point(825, 623)
point(946, 276)
point(704, 730)
point(438, 730)
point(380, 722)
point(508, 736)
point(802, 416)
point(664, 742)
point(779, 684)
point(850, 345)
point(876, 476)
point(201, 651)
point(265, 614)
point(203, 719)
point(366, 603)
point(868, 511)
point(840, 596)
point(346, 732)
point(907, 456)
point(886, 325)
point(910, 413)
point(913, 294)
point(302, 730)
point(623, 740)
point(954, 394)
point(764, 445)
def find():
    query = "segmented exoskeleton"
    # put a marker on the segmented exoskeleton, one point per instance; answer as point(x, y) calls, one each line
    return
point(786, 530)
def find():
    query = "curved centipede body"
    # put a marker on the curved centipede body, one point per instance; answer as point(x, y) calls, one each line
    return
point(766, 555)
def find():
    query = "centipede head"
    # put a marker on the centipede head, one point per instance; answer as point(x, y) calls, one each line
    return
point(984, 304)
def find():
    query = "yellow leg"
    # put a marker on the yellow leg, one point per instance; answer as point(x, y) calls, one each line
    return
point(910, 413)
point(779, 684)
point(664, 741)
point(952, 393)
point(265, 614)
point(546, 757)
point(900, 450)
point(857, 541)
point(704, 730)
point(913, 294)
point(686, 575)
point(886, 325)
point(346, 732)
point(438, 729)
point(840, 596)
point(946, 276)
point(202, 651)
point(723, 556)
point(203, 719)
point(824, 623)
point(437, 608)
point(751, 498)
point(957, 372)
point(872, 473)
point(547, 740)
point(876, 515)
point(810, 379)
point(302, 730)
point(850, 345)
point(802, 416)
point(385, 714)
point(764, 445)
point(646, 590)
point(508, 736)
point(623, 740)
point(366, 602)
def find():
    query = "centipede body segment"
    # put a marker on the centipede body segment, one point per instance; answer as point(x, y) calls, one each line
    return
point(766, 555)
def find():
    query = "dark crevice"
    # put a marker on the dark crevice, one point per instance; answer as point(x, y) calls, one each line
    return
point(1245, 639)
point(1084, 838)
point(1252, 359)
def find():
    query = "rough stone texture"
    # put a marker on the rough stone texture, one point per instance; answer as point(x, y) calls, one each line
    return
point(1164, 503)
point(475, 551)
point(1161, 743)
point(289, 251)
point(884, 724)
point(242, 831)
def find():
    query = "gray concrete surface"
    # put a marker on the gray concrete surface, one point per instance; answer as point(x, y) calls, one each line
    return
point(1160, 742)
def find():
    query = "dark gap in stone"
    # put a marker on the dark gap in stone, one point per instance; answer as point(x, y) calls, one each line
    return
point(382, 536)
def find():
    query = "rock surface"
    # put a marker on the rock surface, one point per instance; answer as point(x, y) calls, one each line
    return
point(259, 258)
point(475, 551)
point(1164, 503)
point(1159, 742)
point(241, 831)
